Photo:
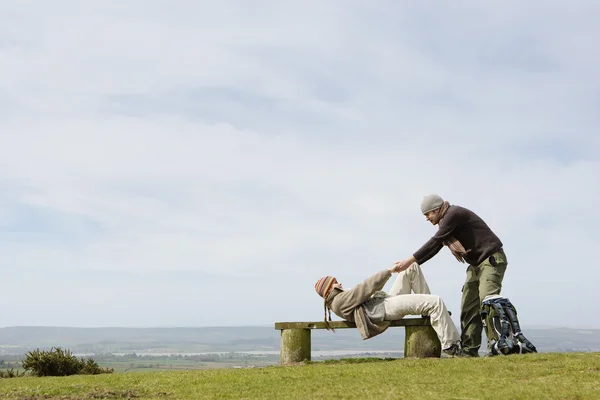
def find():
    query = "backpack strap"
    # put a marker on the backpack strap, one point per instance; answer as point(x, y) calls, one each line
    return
point(503, 345)
point(525, 346)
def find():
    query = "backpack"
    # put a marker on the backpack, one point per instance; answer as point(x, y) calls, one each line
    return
point(502, 327)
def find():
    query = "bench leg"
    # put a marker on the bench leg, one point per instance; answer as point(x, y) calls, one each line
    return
point(421, 342)
point(295, 346)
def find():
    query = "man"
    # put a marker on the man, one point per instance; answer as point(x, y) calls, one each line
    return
point(372, 309)
point(470, 240)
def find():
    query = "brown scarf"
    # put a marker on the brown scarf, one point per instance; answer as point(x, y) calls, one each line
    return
point(327, 326)
point(453, 244)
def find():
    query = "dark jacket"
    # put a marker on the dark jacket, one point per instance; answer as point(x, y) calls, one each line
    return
point(471, 231)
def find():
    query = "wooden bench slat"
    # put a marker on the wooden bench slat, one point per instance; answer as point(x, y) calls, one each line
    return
point(348, 324)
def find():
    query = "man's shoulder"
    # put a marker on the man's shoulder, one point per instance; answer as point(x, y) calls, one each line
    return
point(453, 212)
point(463, 211)
point(456, 210)
point(455, 216)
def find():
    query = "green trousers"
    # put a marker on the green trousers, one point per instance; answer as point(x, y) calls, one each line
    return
point(482, 280)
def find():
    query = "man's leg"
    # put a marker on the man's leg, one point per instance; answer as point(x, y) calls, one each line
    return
point(396, 307)
point(491, 276)
point(411, 278)
point(482, 280)
point(470, 318)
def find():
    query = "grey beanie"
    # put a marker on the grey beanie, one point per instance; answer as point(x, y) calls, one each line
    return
point(431, 202)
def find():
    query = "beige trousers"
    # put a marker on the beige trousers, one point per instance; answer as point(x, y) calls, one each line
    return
point(401, 302)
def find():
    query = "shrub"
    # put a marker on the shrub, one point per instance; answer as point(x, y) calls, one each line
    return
point(59, 362)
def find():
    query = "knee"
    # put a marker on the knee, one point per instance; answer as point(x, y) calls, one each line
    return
point(414, 268)
point(437, 300)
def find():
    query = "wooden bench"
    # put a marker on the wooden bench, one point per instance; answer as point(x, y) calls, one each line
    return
point(420, 340)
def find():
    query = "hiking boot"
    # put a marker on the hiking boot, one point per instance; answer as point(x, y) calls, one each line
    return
point(452, 352)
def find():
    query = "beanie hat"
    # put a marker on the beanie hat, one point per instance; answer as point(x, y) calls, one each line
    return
point(431, 202)
point(324, 286)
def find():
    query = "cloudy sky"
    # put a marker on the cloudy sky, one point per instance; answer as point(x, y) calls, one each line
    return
point(196, 163)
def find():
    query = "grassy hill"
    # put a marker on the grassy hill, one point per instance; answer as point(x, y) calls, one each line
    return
point(533, 376)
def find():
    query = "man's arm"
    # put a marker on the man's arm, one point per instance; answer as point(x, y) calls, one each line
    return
point(424, 254)
point(428, 250)
point(433, 246)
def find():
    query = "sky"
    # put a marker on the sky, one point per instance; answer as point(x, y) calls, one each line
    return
point(200, 163)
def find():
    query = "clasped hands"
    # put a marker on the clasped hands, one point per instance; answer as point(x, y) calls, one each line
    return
point(400, 266)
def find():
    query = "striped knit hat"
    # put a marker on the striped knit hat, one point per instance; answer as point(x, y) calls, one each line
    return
point(324, 286)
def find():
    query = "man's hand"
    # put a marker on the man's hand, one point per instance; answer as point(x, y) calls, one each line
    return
point(400, 266)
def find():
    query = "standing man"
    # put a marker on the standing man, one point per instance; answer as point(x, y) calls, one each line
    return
point(471, 241)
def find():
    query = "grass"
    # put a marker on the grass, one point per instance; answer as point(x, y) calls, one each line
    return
point(147, 363)
point(532, 376)
point(143, 366)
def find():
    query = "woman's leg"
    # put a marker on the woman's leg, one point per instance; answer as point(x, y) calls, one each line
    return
point(411, 278)
point(397, 307)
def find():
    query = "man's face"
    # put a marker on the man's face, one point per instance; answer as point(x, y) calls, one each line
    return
point(433, 216)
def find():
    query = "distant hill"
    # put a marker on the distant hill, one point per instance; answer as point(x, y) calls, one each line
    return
point(18, 340)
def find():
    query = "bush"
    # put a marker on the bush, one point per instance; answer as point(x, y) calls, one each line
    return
point(59, 362)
